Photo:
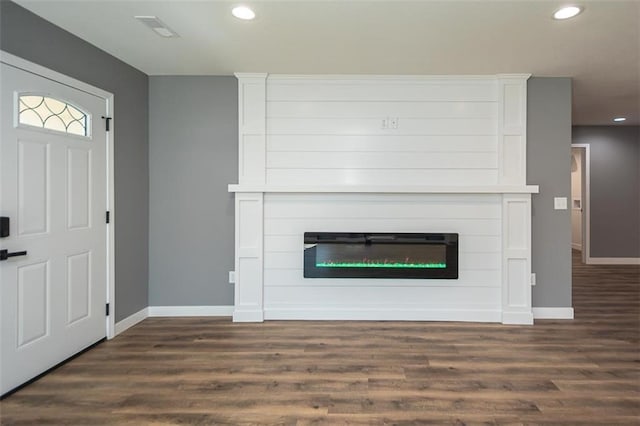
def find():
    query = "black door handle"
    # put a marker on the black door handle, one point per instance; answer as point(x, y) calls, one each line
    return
point(4, 254)
point(4, 226)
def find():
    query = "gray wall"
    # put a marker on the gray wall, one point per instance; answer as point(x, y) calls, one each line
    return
point(615, 188)
point(26, 35)
point(549, 166)
point(193, 156)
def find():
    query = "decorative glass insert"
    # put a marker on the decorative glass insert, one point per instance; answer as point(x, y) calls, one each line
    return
point(52, 114)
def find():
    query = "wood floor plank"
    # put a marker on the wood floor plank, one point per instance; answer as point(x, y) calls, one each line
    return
point(203, 371)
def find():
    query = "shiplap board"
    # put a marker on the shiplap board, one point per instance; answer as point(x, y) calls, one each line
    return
point(350, 109)
point(279, 226)
point(374, 126)
point(371, 91)
point(382, 143)
point(382, 296)
point(294, 278)
point(398, 177)
point(381, 160)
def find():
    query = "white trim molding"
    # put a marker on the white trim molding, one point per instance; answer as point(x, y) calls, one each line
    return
point(613, 261)
point(388, 189)
point(131, 320)
point(190, 311)
point(552, 313)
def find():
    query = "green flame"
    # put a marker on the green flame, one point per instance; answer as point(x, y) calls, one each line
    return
point(380, 265)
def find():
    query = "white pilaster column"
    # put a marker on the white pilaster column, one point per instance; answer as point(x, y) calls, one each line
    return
point(512, 129)
point(516, 259)
point(252, 119)
point(249, 306)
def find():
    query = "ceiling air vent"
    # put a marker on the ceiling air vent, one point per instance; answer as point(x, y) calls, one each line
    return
point(157, 26)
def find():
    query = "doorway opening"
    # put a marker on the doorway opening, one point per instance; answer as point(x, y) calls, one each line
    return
point(580, 165)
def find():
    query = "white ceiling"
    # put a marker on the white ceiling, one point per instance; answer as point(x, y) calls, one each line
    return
point(599, 49)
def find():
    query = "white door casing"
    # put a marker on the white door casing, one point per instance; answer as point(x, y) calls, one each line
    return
point(55, 188)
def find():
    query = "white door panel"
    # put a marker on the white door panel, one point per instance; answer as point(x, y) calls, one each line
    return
point(53, 186)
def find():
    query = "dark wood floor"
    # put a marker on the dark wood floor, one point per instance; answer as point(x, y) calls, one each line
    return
point(211, 371)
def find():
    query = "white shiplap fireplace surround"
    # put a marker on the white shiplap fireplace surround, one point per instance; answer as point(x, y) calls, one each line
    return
point(323, 153)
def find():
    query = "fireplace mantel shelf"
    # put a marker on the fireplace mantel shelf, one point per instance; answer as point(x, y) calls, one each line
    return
point(388, 189)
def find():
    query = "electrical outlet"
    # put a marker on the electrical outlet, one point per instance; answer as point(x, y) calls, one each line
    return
point(232, 277)
point(393, 123)
point(385, 123)
point(533, 278)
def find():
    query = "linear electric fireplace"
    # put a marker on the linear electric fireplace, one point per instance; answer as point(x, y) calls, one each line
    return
point(380, 255)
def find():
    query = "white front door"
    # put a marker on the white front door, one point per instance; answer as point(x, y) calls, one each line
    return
point(53, 189)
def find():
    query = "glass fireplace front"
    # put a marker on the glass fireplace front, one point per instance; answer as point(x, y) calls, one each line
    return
point(380, 255)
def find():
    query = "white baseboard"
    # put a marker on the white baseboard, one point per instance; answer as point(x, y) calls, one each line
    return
point(613, 261)
point(576, 246)
point(552, 313)
point(190, 311)
point(360, 314)
point(517, 318)
point(131, 320)
point(244, 315)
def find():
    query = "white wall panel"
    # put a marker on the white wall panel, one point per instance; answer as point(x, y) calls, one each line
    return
point(78, 286)
point(252, 93)
point(251, 127)
point(517, 272)
point(513, 154)
point(78, 188)
point(516, 259)
point(512, 128)
point(34, 313)
point(252, 155)
point(249, 257)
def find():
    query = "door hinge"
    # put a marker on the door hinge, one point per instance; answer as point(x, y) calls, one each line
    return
point(107, 217)
point(106, 122)
point(107, 309)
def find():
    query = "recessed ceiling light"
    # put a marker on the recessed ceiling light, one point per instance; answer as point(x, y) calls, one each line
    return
point(567, 12)
point(243, 12)
point(619, 119)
